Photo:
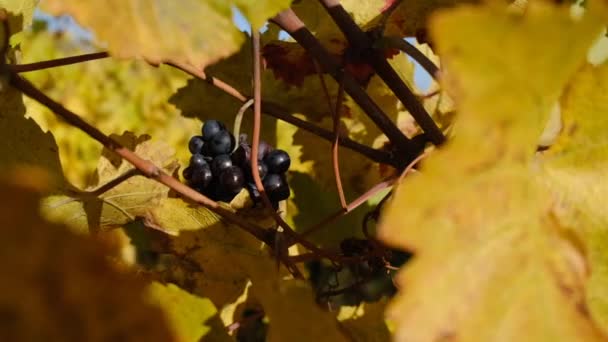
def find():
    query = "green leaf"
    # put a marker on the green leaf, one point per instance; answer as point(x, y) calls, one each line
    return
point(479, 201)
point(123, 203)
point(63, 286)
point(187, 313)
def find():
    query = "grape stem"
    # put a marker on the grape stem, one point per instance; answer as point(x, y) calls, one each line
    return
point(257, 123)
point(363, 43)
point(238, 119)
point(335, 114)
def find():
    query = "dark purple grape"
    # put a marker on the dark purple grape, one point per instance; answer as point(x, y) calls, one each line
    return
point(195, 145)
point(220, 163)
point(197, 161)
point(253, 191)
point(278, 161)
point(201, 177)
point(206, 150)
point(262, 169)
point(222, 143)
point(276, 187)
point(241, 156)
point(211, 128)
point(263, 149)
point(187, 173)
point(232, 180)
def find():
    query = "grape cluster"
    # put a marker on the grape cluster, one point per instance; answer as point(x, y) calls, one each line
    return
point(220, 170)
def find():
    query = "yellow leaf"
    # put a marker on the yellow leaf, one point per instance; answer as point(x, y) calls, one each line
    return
point(411, 16)
point(186, 312)
point(158, 30)
point(490, 263)
point(25, 144)
point(62, 286)
point(20, 7)
point(121, 204)
point(574, 171)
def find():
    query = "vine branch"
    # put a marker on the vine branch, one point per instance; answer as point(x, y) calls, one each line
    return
point(269, 108)
point(409, 49)
point(146, 167)
point(290, 22)
point(358, 39)
point(277, 112)
point(53, 63)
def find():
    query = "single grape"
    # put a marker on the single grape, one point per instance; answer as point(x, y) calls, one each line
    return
point(262, 170)
point(195, 145)
point(220, 163)
point(222, 143)
point(197, 161)
point(263, 149)
point(206, 150)
point(241, 156)
point(187, 173)
point(232, 179)
point(278, 161)
point(253, 191)
point(211, 128)
point(276, 187)
point(201, 177)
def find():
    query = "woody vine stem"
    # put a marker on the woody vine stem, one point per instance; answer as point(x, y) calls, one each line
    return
point(402, 154)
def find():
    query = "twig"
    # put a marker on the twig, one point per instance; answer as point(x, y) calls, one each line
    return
point(238, 119)
point(268, 108)
point(53, 63)
point(276, 111)
point(409, 49)
point(290, 22)
point(257, 123)
point(358, 39)
point(335, 146)
point(335, 114)
point(411, 165)
point(146, 167)
point(350, 207)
